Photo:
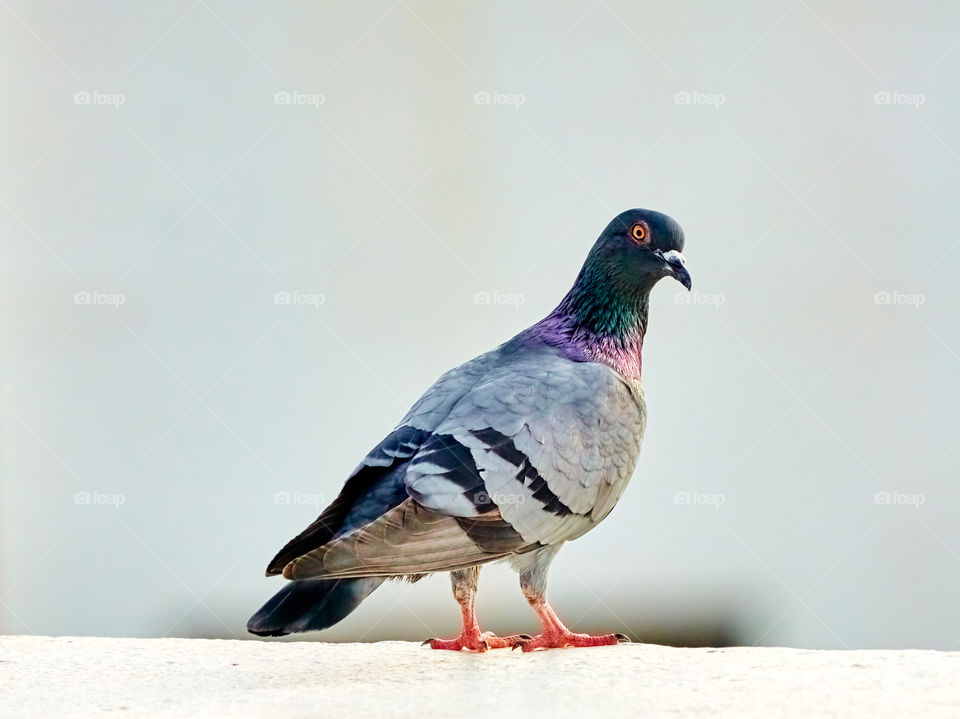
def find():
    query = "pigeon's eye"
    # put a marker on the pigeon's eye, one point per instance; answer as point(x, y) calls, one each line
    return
point(640, 234)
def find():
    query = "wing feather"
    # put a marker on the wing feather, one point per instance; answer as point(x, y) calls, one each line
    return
point(409, 539)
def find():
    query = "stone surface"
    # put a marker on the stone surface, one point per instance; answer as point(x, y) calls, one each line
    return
point(78, 676)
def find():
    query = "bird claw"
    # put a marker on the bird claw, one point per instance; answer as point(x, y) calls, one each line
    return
point(623, 638)
point(520, 640)
point(452, 644)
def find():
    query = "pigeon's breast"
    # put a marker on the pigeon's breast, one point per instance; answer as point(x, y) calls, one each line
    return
point(574, 432)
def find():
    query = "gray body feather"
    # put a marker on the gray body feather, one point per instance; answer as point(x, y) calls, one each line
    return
point(518, 449)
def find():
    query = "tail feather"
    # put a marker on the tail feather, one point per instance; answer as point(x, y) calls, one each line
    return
point(310, 604)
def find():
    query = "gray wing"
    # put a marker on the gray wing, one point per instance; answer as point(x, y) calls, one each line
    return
point(374, 529)
point(377, 484)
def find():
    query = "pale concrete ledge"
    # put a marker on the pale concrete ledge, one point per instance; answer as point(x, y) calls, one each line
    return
point(43, 676)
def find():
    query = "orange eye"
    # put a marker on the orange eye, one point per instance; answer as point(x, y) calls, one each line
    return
point(639, 233)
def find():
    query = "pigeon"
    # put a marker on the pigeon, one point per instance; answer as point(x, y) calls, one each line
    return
point(504, 458)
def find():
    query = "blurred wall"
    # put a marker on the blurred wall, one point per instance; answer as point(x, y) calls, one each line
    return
point(240, 239)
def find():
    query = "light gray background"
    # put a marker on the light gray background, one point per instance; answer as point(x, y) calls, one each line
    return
point(205, 423)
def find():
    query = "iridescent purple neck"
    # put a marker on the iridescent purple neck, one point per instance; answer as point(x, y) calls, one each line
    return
point(597, 326)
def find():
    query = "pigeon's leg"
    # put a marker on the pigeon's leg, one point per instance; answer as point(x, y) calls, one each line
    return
point(464, 583)
point(533, 582)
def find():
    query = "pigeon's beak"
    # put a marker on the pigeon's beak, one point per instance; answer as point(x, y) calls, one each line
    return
point(677, 267)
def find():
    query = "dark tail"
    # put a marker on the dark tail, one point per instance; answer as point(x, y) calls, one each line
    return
point(310, 604)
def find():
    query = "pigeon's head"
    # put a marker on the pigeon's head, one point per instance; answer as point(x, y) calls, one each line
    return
point(638, 248)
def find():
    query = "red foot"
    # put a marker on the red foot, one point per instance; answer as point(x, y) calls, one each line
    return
point(559, 639)
point(478, 642)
